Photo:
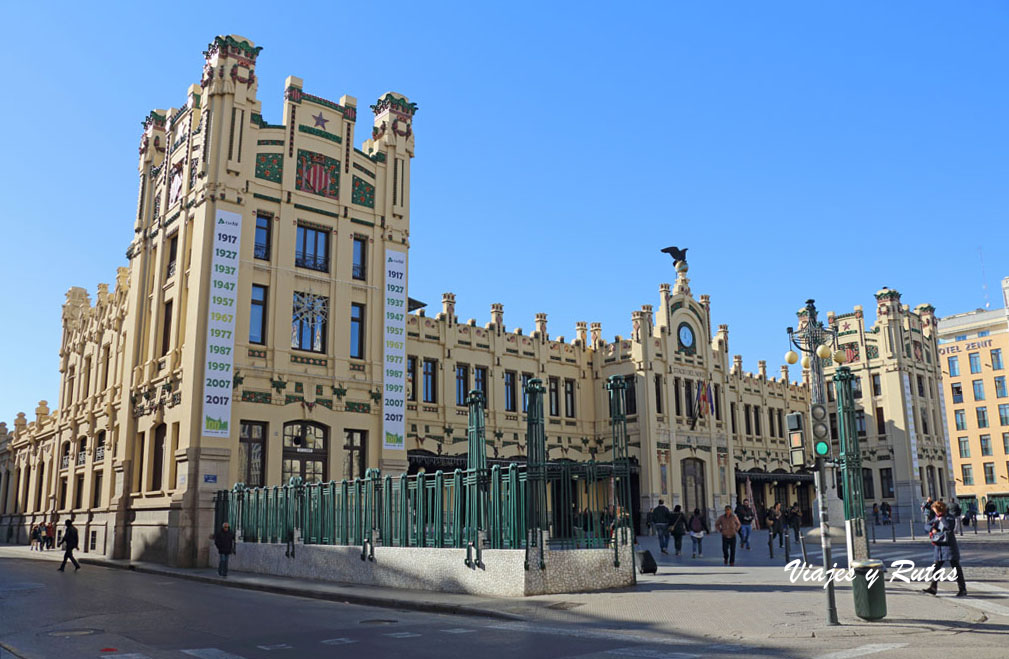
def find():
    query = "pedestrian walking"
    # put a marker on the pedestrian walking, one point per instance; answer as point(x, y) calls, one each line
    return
point(945, 547)
point(885, 513)
point(660, 518)
point(698, 527)
point(43, 537)
point(776, 522)
point(795, 519)
point(745, 514)
point(51, 535)
point(678, 527)
point(224, 540)
point(728, 525)
point(70, 540)
point(991, 512)
point(875, 514)
point(957, 512)
point(650, 522)
point(33, 536)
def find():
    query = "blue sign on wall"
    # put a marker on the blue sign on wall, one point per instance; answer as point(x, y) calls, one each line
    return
point(209, 478)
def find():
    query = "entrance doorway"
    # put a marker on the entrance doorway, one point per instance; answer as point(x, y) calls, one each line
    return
point(694, 495)
point(305, 451)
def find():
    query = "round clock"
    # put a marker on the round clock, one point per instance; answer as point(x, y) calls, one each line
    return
point(686, 336)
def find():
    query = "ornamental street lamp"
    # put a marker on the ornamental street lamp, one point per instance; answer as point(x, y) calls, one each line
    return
point(815, 342)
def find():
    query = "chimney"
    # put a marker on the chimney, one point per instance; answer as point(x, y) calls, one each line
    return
point(638, 325)
point(581, 331)
point(541, 325)
point(649, 319)
point(448, 307)
point(497, 315)
point(737, 363)
point(597, 333)
point(762, 369)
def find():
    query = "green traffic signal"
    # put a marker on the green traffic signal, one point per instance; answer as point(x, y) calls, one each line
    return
point(821, 448)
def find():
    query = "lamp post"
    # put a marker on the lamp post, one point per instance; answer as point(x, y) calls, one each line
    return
point(815, 342)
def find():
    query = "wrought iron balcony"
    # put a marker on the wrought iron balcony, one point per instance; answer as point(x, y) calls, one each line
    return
point(311, 261)
point(171, 270)
point(261, 251)
point(65, 462)
point(82, 457)
point(100, 453)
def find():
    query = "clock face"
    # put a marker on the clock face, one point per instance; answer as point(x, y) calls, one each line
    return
point(686, 336)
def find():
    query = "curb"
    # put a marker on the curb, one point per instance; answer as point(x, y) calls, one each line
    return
point(347, 598)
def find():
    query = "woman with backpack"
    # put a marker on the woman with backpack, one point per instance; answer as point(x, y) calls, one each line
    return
point(698, 526)
point(677, 527)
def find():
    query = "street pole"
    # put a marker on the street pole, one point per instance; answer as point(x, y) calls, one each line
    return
point(808, 339)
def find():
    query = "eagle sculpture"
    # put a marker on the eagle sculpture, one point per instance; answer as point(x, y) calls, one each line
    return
point(677, 253)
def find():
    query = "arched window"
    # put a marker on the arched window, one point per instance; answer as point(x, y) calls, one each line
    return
point(305, 451)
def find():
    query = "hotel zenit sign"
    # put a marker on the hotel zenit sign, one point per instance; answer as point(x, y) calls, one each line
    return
point(974, 345)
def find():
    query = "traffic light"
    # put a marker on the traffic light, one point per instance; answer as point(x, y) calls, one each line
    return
point(821, 431)
point(796, 439)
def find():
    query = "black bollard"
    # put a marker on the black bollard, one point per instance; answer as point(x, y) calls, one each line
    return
point(893, 531)
point(770, 542)
point(802, 546)
point(788, 544)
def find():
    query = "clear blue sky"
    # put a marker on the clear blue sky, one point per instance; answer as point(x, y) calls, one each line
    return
point(799, 149)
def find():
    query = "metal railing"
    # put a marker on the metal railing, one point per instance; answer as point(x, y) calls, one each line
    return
point(65, 461)
point(359, 271)
point(430, 510)
point(99, 452)
point(82, 458)
point(311, 261)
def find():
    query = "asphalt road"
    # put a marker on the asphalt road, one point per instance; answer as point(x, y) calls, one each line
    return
point(102, 612)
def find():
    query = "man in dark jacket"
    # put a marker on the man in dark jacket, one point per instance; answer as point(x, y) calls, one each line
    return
point(795, 519)
point(660, 520)
point(776, 523)
point(745, 514)
point(224, 540)
point(942, 533)
point(70, 538)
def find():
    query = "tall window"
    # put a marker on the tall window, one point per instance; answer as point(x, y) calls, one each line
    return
point(924, 422)
point(1005, 443)
point(877, 386)
point(942, 484)
point(509, 390)
point(158, 463)
point(989, 473)
point(86, 378)
point(986, 445)
point(868, 487)
point(975, 362)
point(856, 387)
point(921, 386)
point(718, 406)
point(480, 382)
point(631, 394)
point(967, 472)
point(957, 390)
point(305, 452)
point(1000, 388)
point(312, 249)
point(1003, 414)
point(961, 419)
point(107, 356)
point(411, 376)
point(860, 423)
point(257, 315)
point(357, 331)
point(996, 359)
point(886, 482)
point(688, 397)
point(732, 416)
point(781, 423)
point(978, 389)
point(166, 332)
point(676, 397)
point(756, 420)
point(355, 461)
point(555, 407)
point(173, 249)
point(430, 381)
point(309, 317)
point(261, 248)
point(982, 417)
point(746, 418)
point(880, 422)
point(964, 447)
point(954, 366)
point(770, 422)
point(461, 383)
point(525, 396)
point(360, 256)
point(96, 488)
point(252, 453)
point(658, 394)
point(79, 492)
point(569, 398)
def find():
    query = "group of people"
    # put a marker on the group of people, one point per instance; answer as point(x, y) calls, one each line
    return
point(778, 519)
point(43, 536)
point(882, 513)
point(730, 525)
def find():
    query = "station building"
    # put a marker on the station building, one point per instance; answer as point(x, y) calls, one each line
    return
point(262, 330)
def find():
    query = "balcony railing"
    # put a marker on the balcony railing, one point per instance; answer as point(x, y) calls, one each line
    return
point(65, 462)
point(82, 457)
point(99, 453)
point(957, 398)
point(171, 270)
point(261, 251)
point(311, 261)
point(360, 272)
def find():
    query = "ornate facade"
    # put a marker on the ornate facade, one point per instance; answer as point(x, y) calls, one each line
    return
point(255, 336)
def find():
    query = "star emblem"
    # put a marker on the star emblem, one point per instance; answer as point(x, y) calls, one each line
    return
point(847, 325)
point(320, 120)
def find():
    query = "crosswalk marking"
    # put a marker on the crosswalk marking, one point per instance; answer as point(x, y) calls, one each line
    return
point(275, 646)
point(402, 635)
point(862, 650)
point(211, 653)
point(338, 641)
point(458, 630)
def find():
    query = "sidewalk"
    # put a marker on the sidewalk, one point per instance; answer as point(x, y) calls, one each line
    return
point(757, 604)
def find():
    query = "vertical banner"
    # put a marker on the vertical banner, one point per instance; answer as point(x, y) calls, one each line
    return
point(950, 478)
point(218, 367)
point(912, 435)
point(394, 374)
